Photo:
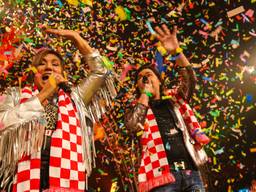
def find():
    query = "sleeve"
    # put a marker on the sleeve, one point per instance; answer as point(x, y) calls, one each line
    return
point(12, 115)
point(97, 90)
point(135, 117)
point(187, 83)
point(92, 97)
point(21, 132)
point(95, 80)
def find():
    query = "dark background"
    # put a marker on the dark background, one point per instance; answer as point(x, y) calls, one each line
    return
point(225, 94)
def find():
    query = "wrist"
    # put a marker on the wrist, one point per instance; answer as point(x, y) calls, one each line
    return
point(149, 94)
point(143, 99)
point(42, 97)
point(45, 93)
point(176, 54)
point(176, 51)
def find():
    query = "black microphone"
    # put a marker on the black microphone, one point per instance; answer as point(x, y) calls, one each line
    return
point(65, 87)
point(145, 79)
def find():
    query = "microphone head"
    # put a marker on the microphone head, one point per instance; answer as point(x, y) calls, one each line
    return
point(145, 79)
point(65, 86)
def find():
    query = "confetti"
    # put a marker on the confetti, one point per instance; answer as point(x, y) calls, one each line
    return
point(236, 11)
point(221, 48)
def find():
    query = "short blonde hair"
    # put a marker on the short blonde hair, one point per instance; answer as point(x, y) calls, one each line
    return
point(37, 59)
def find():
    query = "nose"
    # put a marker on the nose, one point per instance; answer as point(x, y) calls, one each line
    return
point(49, 66)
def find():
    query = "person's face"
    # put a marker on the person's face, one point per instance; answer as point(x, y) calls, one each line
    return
point(49, 64)
point(152, 79)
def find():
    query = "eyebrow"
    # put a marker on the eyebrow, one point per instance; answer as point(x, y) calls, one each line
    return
point(148, 72)
point(51, 60)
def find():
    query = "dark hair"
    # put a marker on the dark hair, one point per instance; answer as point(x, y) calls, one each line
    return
point(40, 55)
point(154, 70)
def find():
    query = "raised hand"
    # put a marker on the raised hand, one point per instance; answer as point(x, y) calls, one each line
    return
point(167, 38)
point(81, 43)
point(69, 34)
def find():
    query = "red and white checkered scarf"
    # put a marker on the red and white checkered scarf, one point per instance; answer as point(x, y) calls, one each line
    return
point(154, 169)
point(66, 171)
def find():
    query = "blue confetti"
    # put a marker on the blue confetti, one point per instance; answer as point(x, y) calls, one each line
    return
point(249, 98)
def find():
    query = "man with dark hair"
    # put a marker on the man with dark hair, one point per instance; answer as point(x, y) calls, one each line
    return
point(172, 140)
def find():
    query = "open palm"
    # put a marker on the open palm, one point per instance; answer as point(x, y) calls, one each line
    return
point(69, 34)
point(81, 43)
point(168, 39)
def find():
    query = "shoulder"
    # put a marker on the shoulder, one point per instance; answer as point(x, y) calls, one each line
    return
point(11, 94)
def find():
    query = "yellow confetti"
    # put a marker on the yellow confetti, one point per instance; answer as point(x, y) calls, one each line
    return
point(229, 188)
point(73, 2)
point(230, 92)
point(119, 10)
point(32, 69)
point(114, 187)
point(52, 81)
point(139, 133)
point(107, 63)
point(87, 2)
point(214, 161)
point(215, 137)
point(162, 50)
point(217, 62)
point(243, 153)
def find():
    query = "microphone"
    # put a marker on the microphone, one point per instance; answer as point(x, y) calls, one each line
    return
point(65, 87)
point(145, 79)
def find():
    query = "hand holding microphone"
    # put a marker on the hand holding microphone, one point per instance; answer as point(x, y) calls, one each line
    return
point(53, 83)
point(60, 81)
point(145, 80)
point(148, 88)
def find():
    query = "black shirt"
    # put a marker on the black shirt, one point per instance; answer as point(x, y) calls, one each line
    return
point(172, 136)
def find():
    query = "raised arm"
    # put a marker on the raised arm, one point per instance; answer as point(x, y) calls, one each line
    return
point(88, 86)
point(187, 83)
point(187, 76)
point(94, 81)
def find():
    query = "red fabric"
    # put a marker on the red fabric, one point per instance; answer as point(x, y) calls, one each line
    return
point(154, 169)
point(189, 118)
point(66, 171)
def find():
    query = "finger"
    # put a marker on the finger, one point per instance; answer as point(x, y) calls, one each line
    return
point(160, 31)
point(166, 30)
point(174, 32)
point(59, 78)
point(53, 31)
point(159, 37)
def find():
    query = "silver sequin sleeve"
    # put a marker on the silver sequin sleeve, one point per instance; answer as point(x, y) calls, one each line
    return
point(12, 114)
